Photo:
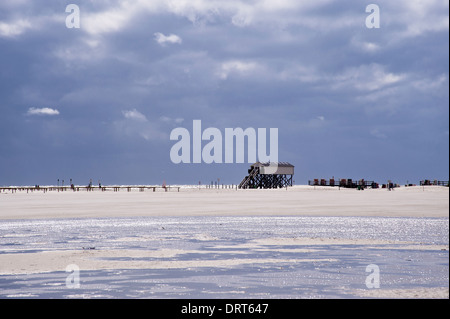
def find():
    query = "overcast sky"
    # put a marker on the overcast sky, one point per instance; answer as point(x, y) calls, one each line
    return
point(100, 101)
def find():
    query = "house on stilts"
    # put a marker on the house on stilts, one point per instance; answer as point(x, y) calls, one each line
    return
point(268, 175)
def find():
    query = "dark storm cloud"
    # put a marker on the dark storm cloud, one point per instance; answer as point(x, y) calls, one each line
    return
point(136, 70)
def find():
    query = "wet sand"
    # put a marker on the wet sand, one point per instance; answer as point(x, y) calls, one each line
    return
point(340, 251)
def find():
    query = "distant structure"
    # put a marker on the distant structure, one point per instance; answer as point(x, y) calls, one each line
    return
point(344, 182)
point(362, 184)
point(268, 175)
point(428, 182)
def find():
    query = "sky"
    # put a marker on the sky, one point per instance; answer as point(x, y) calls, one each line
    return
point(99, 101)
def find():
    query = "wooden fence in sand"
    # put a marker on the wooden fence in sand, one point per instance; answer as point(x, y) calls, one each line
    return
point(75, 188)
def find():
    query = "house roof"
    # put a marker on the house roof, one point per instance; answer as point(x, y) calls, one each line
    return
point(279, 164)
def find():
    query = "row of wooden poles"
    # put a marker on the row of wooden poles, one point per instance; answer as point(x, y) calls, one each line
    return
point(14, 189)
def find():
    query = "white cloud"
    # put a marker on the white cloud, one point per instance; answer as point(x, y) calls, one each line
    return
point(413, 17)
point(439, 84)
point(120, 13)
point(42, 111)
point(14, 29)
point(167, 119)
point(370, 47)
point(417, 17)
point(111, 20)
point(241, 20)
point(365, 46)
point(25, 21)
point(135, 115)
point(377, 133)
point(366, 78)
point(163, 39)
point(295, 71)
point(237, 67)
point(137, 124)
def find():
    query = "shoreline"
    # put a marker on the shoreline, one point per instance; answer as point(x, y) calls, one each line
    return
point(224, 258)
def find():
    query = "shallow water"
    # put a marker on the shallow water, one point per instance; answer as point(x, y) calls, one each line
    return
point(330, 270)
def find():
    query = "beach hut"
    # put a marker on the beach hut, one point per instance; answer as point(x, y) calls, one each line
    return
point(268, 175)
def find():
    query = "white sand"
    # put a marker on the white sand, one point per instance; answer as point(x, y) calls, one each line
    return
point(300, 200)
point(56, 260)
point(49, 261)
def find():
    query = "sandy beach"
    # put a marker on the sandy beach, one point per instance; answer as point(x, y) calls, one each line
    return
point(303, 242)
point(296, 201)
